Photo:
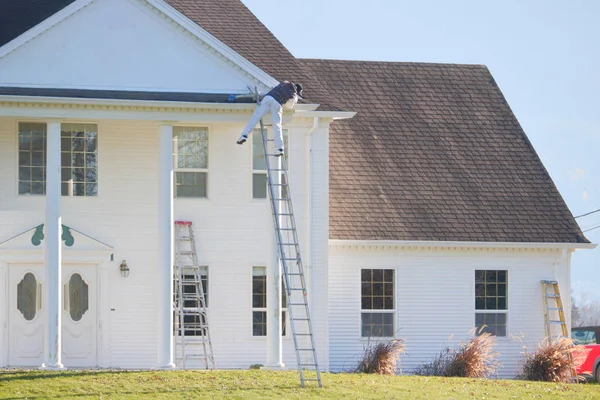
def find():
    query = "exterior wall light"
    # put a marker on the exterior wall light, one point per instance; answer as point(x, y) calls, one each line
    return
point(124, 269)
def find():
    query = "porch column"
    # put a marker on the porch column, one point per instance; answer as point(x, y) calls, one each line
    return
point(165, 228)
point(274, 326)
point(53, 256)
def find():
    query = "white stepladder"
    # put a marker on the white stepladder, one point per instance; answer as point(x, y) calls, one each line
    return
point(288, 248)
point(190, 316)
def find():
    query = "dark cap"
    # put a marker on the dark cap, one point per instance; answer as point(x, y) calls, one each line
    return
point(298, 89)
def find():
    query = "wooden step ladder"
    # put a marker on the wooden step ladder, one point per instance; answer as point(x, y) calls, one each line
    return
point(554, 315)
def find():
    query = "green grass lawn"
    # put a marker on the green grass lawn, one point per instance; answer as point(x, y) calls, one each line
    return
point(255, 384)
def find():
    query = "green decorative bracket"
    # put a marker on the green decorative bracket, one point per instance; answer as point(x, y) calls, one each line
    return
point(66, 237)
point(38, 235)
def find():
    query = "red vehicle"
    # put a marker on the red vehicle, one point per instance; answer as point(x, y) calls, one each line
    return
point(589, 336)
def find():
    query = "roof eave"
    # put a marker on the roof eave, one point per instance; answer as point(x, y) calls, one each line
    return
point(456, 244)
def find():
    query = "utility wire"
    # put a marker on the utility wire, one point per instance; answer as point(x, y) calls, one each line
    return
point(591, 229)
point(586, 214)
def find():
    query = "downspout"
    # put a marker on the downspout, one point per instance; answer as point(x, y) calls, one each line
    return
point(310, 194)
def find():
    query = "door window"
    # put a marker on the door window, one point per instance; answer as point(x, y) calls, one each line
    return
point(76, 297)
point(29, 296)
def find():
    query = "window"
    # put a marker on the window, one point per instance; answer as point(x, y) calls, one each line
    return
point(190, 157)
point(76, 297)
point(377, 303)
point(259, 303)
point(32, 158)
point(491, 301)
point(29, 296)
point(194, 322)
point(259, 166)
point(79, 159)
point(583, 337)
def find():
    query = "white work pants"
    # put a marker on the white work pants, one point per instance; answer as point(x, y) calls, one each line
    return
point(267, 104)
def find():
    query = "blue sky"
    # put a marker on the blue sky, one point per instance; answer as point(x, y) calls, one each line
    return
point(543, 54)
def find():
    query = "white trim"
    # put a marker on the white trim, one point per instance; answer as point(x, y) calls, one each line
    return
point(4, 315)
point(324, 114)
point(103, 103)
point(188, 25)
point(458, 245)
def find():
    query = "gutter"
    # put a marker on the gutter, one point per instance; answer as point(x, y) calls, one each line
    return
point(310, 191)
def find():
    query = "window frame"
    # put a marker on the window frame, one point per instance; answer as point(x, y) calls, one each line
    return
point(253, 171)
point(286, 328)
point(506, 311)
point(202, 170)
point(393, 311)
point(17, 150)
point(258, 309)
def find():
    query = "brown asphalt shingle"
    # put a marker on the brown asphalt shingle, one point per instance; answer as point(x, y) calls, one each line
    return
point(434, 153)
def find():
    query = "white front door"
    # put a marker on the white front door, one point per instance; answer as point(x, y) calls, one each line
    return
point(26, 315)
point(79, 319)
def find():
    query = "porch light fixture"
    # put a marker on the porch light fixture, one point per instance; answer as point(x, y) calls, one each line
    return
point(124, 269)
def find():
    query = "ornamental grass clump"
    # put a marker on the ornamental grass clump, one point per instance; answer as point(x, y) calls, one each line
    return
point(474, 359)
point(381, 358)
point(553, 361)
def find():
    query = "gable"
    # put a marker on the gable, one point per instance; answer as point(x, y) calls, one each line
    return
point(122, 44)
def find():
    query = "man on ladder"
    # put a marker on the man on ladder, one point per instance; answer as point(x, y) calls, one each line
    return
point(285, 94)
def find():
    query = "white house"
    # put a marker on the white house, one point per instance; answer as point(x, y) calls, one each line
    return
point(422, 208)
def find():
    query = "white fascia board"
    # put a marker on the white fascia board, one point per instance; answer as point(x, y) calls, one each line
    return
point(167, 10)
point(127, 103)
point(432, 244)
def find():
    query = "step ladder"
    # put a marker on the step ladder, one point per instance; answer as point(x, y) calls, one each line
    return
point(288, 247)
point(554, 315)
point(190, 317)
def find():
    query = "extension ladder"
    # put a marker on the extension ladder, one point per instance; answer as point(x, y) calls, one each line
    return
point(551, 292)
point(288, 248)
point(190, 317)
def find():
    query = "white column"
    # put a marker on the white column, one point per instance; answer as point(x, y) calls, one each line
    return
point(52, 244)
point(165, 228)
point(274, 326)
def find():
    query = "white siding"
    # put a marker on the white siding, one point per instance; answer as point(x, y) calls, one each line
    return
point(435, 300)
point(121, 44)
point(230, 227)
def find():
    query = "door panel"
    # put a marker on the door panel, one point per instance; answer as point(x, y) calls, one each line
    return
point(79, 318)
point(26, 315)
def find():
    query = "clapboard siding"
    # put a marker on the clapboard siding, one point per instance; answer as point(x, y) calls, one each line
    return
point(230, 227)
point(435, 300)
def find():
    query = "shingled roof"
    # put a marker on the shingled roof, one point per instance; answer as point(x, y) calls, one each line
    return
point(434, 153)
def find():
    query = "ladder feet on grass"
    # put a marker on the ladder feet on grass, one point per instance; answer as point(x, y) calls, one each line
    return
point(288, 247)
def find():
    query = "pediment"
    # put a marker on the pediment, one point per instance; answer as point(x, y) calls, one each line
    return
point(33, 239)
point(124, 45)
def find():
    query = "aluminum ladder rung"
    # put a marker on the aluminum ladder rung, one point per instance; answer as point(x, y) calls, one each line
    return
point(282, 210)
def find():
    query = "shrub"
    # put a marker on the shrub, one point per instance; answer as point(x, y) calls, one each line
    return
point(474, 359)
point(553, 361)
point(381, 358)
